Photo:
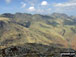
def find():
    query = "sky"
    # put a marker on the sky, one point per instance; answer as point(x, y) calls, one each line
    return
point(38, 6)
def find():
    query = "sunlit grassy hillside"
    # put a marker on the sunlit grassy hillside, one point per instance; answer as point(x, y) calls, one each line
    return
point(21, 28)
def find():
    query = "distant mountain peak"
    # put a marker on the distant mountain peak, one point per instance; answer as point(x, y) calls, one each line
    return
point(60, 15)
point(8, 15)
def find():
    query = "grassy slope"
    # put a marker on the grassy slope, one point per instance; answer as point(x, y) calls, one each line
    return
point(18, 34)
point(38, 32)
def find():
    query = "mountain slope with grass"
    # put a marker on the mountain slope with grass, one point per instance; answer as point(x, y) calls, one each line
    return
point(21, 28)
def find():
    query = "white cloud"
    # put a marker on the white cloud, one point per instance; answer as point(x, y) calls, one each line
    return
point(8, 1)
point(69, 3)
point(23, 5)
point(31, 2)
point(65, 4)
point(42, 11)
point(72, 0)
point(44, 3)
point(66, 7)
point(32, 8)
point(49, 9)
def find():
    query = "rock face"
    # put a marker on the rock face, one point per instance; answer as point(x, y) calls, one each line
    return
point(3, 25)
point(33, 50)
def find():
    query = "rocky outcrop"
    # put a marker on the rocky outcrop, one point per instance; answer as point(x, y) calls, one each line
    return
point(33, 50)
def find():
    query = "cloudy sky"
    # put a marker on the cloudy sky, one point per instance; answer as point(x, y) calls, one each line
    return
point(38, 6)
